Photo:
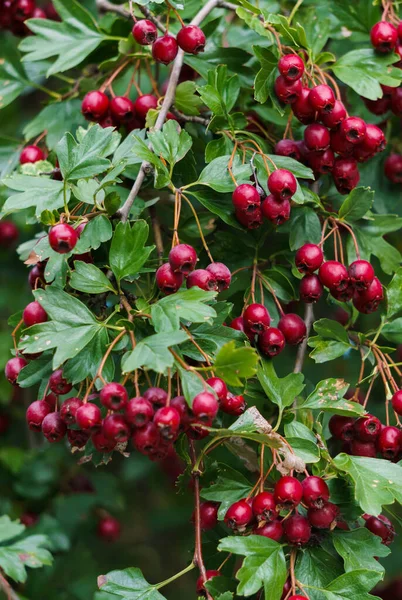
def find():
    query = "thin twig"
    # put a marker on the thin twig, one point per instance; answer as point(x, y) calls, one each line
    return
point(7, 589)
point(301, 352)
point(156, 228)
point(105, 5)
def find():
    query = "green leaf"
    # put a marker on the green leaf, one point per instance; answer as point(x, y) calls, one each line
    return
point(377, 482)
point(186, 100)
point(35, 372)
point(221, 205)
point(328, 397)
point(318, 567)
point(10, 151)
point(9, 529)
point(142, 151)
point(96, 232)
point(129, 584)
point(71, 41)
point(128, 252)
point(394, 294)
point(364, 70)
point(355, 584)
point(264, 565)
point(304, 227)
point(221, 92)
point(80, 160)
point(55, 119)
point(172, 143)
point(332, 341)
point(279, 282)
point(263, 83)
point(189, 305)
point(229, 487)
point(281, 391)
point(89, 279)
point(153, 352)
point(393, 331)
point(303, 441)
point(216, 175)
point(13, 77)
point(39, 192)
point(234, 364)
point(356, 204)
point(28, 552)
point(13, 458)
point(87, 361)
point(359, 548)
point(333, 330)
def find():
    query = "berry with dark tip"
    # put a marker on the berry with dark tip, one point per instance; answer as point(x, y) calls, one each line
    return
point(113, 396)
point(146, 439)
point(256, 318)
point(144, 103)
point(334, 117)
point(334, 275)
point(272, 530)
point(368, 300)
point(13, 368)
point(317, 137)
point(122, 109)
point(205, 406)
point(208, 515)
point(293, 328)
point(21, 10)
point(354, 129)
point(115, 428)
point(167, 280)
point(251, 220)
point(287, 91)
point(191, 39)
point(221, 274)
point(33, 314)
point(138, 411)
point(275, 210)
point(323, 517)
point(233, 405)
point(340, 145)
point(309, 258)
point(167, 420)
point(315, 491)
point(77, 437)
point(282, 184)
point(219, 387)
point(203, 279)
point(342, 428)
point(164, 49)
point(368, 428)
point(88, 416)
point(322, 162)
point(389, 442)
point(109, 529)
point(246, 198)
point(382, 527)
point(322, 98)
point(239, 515)
point(297, 530)
point(264, 507)
point(271, 342)
point(374, 141)
point(35, 414)
point(157, 396)
point(288, 492)
point(31, 154)
point(68, 410)
point(302, 108)
point(95, 105)
point(102, 443)
point(62, 238)
point(183, 258)
point(291, 67)
point(53, 427)
point(288, 148)
point(311, 288)
point(380, 106)
point(145, 32)
point(58, 384)
point(361, 274)
point(384, 36)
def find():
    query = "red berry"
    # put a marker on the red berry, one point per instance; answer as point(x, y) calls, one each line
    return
point(219, 387)
point(13, 368)
point(297, 530)
point(145, 32)
point(145, 103)
point(396, 102)
point(239, 515)
point(397, 402)
point(36, 277)
point(323, 517)
point(291, 67)
point(35, 414)
point(203, 279)
point(208, 515)
point(53, 427)
point(322, 98)
point(361, 274)
point(322, 162)
point(121, 108)
point(62, 238)
point(271, 341)
point(31, 154)
point(340, 145)
point(164, 49)
point(384, 36)
point(95, 105)
point(256, 318)
point(288, 492)
point(29, 519)
point(191, 39)
point(180, 404)
point(382, 527)
point(115, 428)
point(293, 328)
point(167, 420)
point(33, 314)
point(88, 416)
point(114, 396)
point(389, 442)
point(22, 9)
point(282, 184)
point(8, 234)
point(68, 410)
point(182, 258)
point(374, 140)
point(168, 281)
point(221, 274)
point(341, 427)
point(251, 220)
point(200, 581)
point(367, 429)
point(58, 384)
point(156, 396)
point(317, 137)
point(393, 168)
point(380, 106)
point(302, 108)
point(77, 438)
point(205, 406)
point(309, 258)
point(102, 443)
point(315, 491)
point(311, 288)
point(275, 210)
point(233, 405)
point(264, 507)
point(368, 300)
point(287, 91)
point(334, 117)
point(366, 449)
point(239, 325)
point(346, 174)
point(109, 529)
point(354, 129)
point(246, 198)
point(288, 148)
point(138, 411)
point(147, 439)
point(272, 530)
point(334, 275)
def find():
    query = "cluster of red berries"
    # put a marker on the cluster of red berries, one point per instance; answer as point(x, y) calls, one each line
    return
point(14, 13)
point(255, 323)
point(329, 129)
point(182, 261)
point(357, 282)
point(251, 204)
point(367, 436)
point(190, 39)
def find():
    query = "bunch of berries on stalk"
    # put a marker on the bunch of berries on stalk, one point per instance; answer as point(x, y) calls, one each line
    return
point(181, 266)
point(251, 203)
point(190, 39)
point(357, 282)
point(329, 132)
point(14, 13)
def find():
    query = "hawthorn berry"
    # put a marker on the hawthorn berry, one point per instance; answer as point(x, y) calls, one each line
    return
point(35, 414)
point(397, 402)
point(145, 32)
point(77, 437)
point(102, 443)
point(288, 492)
point(272, 530)
point(13, 368)
point(354, 129)
point(239, 515)
point(396, 102)
point(182, 259)
point(315, 491)
point(8, 234)
point(167, 280)
point(346, 174)
point(380, 106)
point(322, 98)
point(323, 517)
point(393, 168)
point(271, 341)
point(88, 416)
point(68, 410)
point(389, 442)
point(219, 387)
point(366, 449)
point(264, 507)
point(384, 36)
point(334, 117)
point(156, 396)
point(21, 10)
point(287, 91)
point(368, 300)
point(322, 162)
point(203, 279)
point(256, 318)
point(121, 109)
point(221, 275)
point(145, 103)
point(246, 198)
point(367, 429)
point(303, 110)
point(209, 574)
point(109, 529)
point(317, 137)
point(33, 314)
point(293, 328)
point(374, 141)
point(113, 396)
point(297, 530)
point(146, 439)
point(275, 210)
point(311, 288)
point(309, 258)
point(334, 275)
point(361, 274)
point(167, 420)
point(288, 148)
point(191, 39)
point(251, 220)
point(205, 406)
point(341, 427)
point(208, 515)
point(340, 145)
point(138, 411)
point(36, 277)
point(53, 427)
point(382, 527)
point(286, 589)
point(58, 384)
point(114, 427)
point(233, 405)
point(282, 184)
point(95, 105)
point(291, 67)
point(62, 238)
point(164, 49)
point(31, 154)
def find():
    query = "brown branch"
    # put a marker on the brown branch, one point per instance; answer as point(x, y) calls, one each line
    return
point(7, 589)
point(190, 118)
point(156, 227)
point(105, 6)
